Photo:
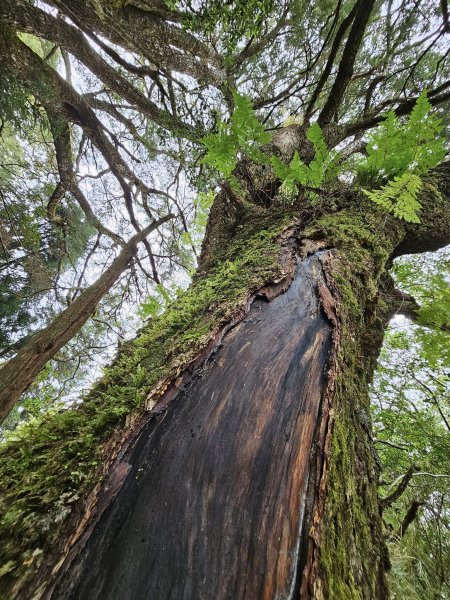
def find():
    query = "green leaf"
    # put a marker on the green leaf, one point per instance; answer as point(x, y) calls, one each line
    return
point(245, 125)
point(222, 152)
point(243, 134)
point(399, 196)
point(394, 147)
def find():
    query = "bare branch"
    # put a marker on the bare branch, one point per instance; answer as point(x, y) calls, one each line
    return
point(395, 495)
point(408, 519)
point(18, 373)
point(345, 70)
point(403, 108)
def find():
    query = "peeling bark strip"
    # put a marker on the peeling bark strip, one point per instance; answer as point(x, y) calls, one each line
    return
point(221, 513)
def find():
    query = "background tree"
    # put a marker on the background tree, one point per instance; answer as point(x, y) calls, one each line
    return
point(411, 410)
point(307, 127)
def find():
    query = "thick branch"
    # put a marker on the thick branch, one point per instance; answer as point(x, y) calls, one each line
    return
point(433, 232)
point(409, 518)
point(19, 372)
point(389, 500)
point(148, 34)
point(346, 65)
point(331, 58)
point(33, 20)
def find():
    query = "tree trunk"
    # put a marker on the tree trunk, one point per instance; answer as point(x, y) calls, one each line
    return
point(249, 472)
point(226, 463)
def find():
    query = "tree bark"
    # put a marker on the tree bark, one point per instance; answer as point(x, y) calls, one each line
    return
point(225, 464)
point(250, 471)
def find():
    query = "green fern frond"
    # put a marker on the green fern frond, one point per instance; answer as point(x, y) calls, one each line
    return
point(399, 196)
point(222, 152)
point(402, 153)
point(395, 147)
point(243, 134)
point(245, 126)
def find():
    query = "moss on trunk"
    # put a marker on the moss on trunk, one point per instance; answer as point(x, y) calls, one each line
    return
point(347, 554)
point(50, 469)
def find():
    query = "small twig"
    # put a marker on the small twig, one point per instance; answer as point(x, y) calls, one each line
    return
point(386, 443)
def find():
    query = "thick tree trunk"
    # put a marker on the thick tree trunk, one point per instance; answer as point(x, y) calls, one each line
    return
point(250, 472)
point(220, 494)
point(215, 493)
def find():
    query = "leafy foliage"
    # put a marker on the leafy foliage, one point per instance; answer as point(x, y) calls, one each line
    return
point(241, 136)
point(232, 20)
point(323, 168)
point(429, 284)
point(402, 153)
point(15, 104)
point(395, 147)
point(411, 418)
point(245, 134)
point(399, 196)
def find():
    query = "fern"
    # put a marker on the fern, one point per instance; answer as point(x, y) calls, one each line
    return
point(398, 152)
point(245, 126)
point(394, 148)
point(323, 167)
point(425, 128)
point(402, 153)
point(399, 196)
point(243, 135)
point(222, 151)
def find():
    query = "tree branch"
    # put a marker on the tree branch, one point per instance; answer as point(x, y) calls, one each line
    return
point(61, 138)
point(18, 373)
point(331, 58)
point(389, 500)
point(148, 34)
point(403, 108)
point(33, 20)
point(345, 70)
point(408, 519)
point(62, 100)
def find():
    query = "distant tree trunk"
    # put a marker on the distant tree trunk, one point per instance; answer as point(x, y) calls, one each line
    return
point(18, 373)
point(255, 476)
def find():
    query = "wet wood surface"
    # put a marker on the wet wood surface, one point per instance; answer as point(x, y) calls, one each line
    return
point(213, 503)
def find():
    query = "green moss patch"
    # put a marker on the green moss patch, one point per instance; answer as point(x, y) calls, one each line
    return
point(352, 545)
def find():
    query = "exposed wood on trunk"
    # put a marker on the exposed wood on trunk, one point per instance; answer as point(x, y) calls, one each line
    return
point(244, 431)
